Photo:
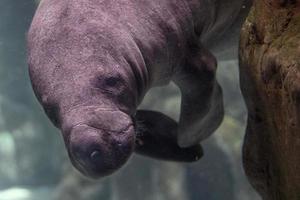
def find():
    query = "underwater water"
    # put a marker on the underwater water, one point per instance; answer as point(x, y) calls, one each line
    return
point(33, 160)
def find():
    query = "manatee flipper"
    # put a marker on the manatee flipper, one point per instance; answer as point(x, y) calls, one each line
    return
point(201, 101)
point(157, 137)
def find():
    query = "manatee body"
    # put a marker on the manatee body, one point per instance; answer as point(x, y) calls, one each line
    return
point(92, 61)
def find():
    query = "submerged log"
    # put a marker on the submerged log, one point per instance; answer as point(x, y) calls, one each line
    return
point(270, 82)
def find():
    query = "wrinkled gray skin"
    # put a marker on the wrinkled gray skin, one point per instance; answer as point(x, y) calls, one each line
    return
point(92, 61)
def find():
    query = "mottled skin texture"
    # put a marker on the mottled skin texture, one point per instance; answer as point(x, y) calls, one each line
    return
point(92, 61)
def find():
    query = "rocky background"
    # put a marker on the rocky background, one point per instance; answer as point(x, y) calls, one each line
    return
point(270, 80)
point(33, 161)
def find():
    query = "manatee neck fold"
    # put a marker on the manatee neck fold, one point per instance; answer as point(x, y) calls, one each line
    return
point(140, 74)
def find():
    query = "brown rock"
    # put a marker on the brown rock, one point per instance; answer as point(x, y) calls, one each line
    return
point(270, 82)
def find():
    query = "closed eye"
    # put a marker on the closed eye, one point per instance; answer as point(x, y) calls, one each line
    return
point(109, 84)
point(112, 81)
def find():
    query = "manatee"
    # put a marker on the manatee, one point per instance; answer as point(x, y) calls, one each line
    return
point(91, 62)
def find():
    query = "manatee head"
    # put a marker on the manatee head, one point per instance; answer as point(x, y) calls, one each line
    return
point(92, 100)
point(102, 144)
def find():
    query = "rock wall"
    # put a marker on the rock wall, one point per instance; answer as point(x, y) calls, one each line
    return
point(270, 82)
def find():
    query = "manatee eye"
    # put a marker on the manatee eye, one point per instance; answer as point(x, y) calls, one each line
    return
point(107, 82)
point(112, 81)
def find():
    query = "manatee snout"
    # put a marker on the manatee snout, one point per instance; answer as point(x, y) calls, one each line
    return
point(98, 151)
